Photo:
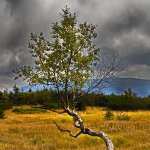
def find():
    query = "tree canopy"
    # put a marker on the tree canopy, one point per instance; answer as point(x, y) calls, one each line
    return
point(69, 60)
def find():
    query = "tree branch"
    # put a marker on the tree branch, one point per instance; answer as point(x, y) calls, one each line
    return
point(70, 133)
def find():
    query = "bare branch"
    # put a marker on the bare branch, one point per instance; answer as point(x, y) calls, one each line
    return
point(105, 70)
point(70, 133)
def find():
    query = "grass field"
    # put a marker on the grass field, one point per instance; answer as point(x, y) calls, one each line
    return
point(38, 132)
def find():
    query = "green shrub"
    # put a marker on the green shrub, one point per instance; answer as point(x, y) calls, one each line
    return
point(123, 117)
point(80, 106)
point(51, 105)
point(109, 115)
point(28, 110)
point(1, 114)
point(4, 105)
point(122, 103)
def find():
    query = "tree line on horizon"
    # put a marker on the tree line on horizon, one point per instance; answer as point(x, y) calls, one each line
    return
point(128, 100)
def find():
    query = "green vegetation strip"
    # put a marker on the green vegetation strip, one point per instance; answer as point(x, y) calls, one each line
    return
point(28, 110)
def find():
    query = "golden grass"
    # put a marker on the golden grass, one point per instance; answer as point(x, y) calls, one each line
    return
point(38, 132)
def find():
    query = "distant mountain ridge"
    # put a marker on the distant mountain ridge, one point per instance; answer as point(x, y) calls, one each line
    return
point(140, 86)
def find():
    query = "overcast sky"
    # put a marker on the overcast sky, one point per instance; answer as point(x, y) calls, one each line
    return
point(123, 25)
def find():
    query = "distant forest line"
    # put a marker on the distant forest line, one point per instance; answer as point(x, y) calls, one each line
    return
point(128, 100)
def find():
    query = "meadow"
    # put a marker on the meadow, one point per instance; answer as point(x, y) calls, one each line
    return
point(38, 132)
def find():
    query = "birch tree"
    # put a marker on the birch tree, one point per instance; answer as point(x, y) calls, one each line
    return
point(69, 62)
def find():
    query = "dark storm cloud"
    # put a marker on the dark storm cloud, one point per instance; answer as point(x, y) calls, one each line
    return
point(122, 25)
point(18, 18)
point(128, 32)
point(13, 31)
point(127, 21)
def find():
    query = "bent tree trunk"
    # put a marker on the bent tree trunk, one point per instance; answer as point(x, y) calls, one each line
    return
point(78, 123)
point(102, 135)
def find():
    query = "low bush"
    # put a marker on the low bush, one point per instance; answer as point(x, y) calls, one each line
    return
point(4, 105)
point(123, 117)
point(109, 115)
point(1, 114)
point(121, 103)
point(80, 106)
point(28, 110)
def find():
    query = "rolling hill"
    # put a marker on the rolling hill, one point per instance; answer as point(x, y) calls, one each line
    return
point(140, 86)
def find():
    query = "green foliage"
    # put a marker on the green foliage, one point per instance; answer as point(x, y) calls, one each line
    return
point(67, 59)
point(51, 105)
point(123, 117)
point(1, 95)
point(15, 89)
point(49, 97)
point(123, 103)
point(4, 105)
point(5, 94)
point(2, 114)
point(146, 102)
point(28, 110)
point(109, 115)
point(80, 106)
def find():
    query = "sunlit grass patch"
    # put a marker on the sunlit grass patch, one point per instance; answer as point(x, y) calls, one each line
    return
point(38, 131)
point(120, 141)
